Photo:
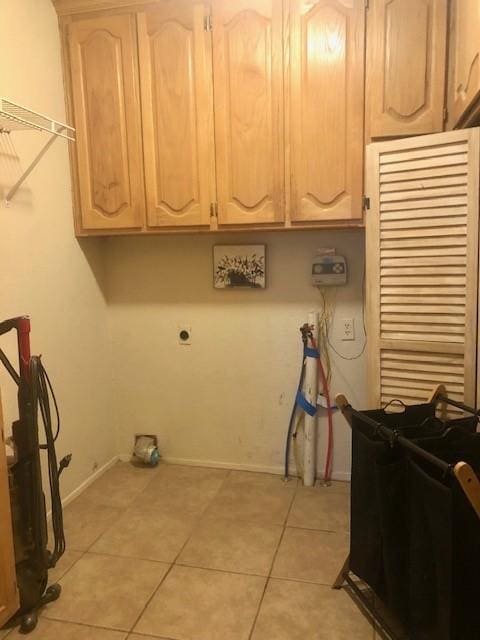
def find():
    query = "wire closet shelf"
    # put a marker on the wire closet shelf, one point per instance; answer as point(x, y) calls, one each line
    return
point(14, 117)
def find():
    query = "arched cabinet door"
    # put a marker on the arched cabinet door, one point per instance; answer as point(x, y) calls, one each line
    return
point(176, 84)
point(464, 60)
point(249, 125)
point(106, 103)
point(326, 93)
point(406, 66)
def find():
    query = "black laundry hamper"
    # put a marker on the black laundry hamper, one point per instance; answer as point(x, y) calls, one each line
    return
point(415, 538)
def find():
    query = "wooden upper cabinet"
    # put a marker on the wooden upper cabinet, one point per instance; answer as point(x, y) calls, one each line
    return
point(104, 78)
point(9, 602)
point(249, 124)
point(406, 65)
point(176, 88)
point(464, 66)
point(195, 114)
point(326, 94)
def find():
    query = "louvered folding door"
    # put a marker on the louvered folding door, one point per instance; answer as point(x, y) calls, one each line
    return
point(422, 266)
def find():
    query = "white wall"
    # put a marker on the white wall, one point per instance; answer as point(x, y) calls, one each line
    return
point(44, 272)
point(226, 398)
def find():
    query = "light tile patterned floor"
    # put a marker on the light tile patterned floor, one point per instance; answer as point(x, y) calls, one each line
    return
point(188, 553)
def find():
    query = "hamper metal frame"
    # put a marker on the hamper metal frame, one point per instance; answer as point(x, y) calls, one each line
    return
point(462, 471)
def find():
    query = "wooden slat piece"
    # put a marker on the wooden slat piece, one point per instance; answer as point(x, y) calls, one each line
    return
point(469, 483)
point(424, 183)
point(429, 152)
point(419, 174)
point(442, 161)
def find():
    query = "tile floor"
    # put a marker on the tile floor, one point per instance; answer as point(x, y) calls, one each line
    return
point(188, 553)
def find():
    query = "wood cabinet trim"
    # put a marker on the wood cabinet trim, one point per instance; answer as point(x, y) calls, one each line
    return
point(78, 7)
point(70, 117)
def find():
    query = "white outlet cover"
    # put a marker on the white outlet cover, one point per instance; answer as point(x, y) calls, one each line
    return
point(347, 329)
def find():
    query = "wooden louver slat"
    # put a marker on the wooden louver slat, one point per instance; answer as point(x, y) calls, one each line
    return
point(422, 264)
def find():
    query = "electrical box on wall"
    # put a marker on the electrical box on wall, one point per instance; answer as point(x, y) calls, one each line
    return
point(328, 269)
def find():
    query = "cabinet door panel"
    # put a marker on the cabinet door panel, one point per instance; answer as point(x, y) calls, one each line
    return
point(175, 69)
point(8, 588)
point(249, 135)
point(406, 66)
point(464, 67)
point(326, 109)
point(107, 117)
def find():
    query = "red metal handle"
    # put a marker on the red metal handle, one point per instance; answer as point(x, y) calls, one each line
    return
point(23, 335)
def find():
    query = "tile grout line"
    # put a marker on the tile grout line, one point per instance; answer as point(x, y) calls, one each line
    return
point(123, 511)
point(149, 635)
point(343, 531)
point(197, 522)
point(228, 571)
point(254, 624)
point(120, 557)
point(88, 625)
point(199, 518)
point(173, 564)
point(84, 552)
point(155, 591)
point(44, 609)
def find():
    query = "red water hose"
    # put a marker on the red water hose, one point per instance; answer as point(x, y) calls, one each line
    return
point(326, 393)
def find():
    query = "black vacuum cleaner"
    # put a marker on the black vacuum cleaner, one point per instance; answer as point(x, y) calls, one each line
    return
point(29, 519)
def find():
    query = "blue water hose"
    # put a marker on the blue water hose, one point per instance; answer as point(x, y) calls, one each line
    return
point(292, 417)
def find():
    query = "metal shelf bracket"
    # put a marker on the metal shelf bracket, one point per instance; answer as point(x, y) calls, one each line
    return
point(14, 117)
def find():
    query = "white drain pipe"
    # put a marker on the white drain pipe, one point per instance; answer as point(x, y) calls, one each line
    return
point(311, 394)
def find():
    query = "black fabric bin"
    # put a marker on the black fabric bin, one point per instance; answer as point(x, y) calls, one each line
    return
point(415, 538)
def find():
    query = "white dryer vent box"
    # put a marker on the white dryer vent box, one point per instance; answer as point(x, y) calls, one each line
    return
point(329, 270)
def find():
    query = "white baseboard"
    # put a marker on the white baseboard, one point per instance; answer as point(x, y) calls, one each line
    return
point(86, 483)
point(342, 476)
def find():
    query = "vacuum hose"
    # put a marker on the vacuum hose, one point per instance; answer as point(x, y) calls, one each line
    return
point(41, 391)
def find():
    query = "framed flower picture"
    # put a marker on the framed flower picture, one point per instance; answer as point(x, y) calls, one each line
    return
point(239, 266)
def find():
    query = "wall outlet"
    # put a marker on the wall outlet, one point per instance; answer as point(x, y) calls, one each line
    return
point(184, 335)
point(347, 329)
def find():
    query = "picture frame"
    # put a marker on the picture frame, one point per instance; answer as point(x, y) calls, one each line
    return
point(239, 266)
